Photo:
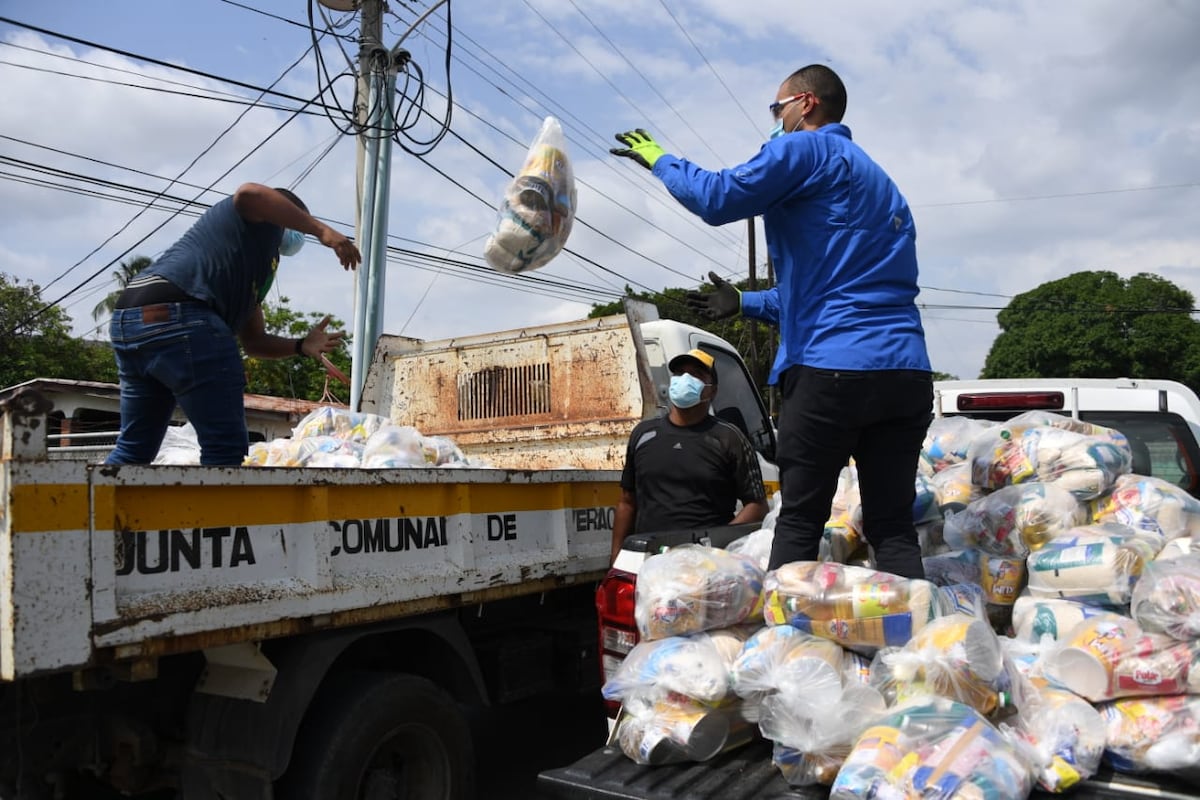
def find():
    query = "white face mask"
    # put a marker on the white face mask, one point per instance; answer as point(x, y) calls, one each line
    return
point(291, 243)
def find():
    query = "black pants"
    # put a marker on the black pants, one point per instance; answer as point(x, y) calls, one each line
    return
point(880, 418)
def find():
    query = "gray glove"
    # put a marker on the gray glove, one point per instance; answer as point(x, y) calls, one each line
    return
point(725, 300)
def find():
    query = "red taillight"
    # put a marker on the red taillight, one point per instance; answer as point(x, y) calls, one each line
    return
point(618, 628)
point(994, 401)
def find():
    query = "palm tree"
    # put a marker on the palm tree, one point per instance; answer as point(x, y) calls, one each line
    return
point(122, 276)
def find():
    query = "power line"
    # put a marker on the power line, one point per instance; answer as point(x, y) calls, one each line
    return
point(711, 68)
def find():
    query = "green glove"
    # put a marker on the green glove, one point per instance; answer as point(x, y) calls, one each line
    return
point(725, 300)
point(639, 146)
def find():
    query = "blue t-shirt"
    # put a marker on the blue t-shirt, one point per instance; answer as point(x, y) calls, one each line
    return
point(225, 261)
point(842, 241)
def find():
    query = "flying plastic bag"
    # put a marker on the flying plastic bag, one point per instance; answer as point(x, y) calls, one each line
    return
point(538, 208)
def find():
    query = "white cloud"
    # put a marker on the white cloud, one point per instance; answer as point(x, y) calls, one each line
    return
point(974, 109)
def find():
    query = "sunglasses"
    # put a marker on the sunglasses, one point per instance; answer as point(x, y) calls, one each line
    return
point(778, 105)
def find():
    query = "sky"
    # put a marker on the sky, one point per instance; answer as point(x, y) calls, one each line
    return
point(1032, 140)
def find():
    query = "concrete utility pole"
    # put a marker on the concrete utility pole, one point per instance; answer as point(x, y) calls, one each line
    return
point(377, 69)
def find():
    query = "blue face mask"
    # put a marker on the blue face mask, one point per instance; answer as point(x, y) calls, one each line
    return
point(291, 243)
point(685, 390)
point(777, 131)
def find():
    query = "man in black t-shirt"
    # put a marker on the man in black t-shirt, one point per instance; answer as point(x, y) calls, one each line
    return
point(689, 468)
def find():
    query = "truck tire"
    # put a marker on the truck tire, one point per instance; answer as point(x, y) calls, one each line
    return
point(375, 736)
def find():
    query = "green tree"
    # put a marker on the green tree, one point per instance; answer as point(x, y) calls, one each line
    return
point(298, 378)
point(1098, 325)
point(756, 342)
point(36, 342)
point(122, 276)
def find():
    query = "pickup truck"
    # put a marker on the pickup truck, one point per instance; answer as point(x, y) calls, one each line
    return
point(291, 632)
point(1160, 418)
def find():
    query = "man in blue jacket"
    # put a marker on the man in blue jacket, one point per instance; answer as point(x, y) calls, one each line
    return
point(852, 364)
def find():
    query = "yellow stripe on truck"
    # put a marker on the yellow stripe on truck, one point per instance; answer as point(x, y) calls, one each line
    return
point(65, 507)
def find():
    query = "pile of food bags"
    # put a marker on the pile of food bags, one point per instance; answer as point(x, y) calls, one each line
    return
point(337, 437)
point(1058, 627)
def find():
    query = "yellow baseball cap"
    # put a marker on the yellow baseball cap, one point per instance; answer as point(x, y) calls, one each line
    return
point(705, 360)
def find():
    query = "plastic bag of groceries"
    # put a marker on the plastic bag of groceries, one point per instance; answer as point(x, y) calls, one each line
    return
point(341, 423)
point(692, 666)
point(1150, 504)
point(1166, 599)
point(1037, 619)
point(179, 446)
point(947, 440)
point(954, 488)
point(1108, 656)
point(1085, 465)
point(695, 588)
point(538, 208)
point(656, 729)
point(1066, 734)
point(857, 607)
point(957, 656)
point(842, 537)
point(934, 748)
point(1015, 520)
point(315, 450)
point(1154, 734)
point(1097, 564)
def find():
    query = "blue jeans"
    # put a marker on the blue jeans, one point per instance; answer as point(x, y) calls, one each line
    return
point(185, 353)
point(880, 418)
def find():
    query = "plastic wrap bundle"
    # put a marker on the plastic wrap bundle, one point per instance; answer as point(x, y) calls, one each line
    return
point(927, 517)
point(808, 695)
point(1085, 465)
point(1037, 618)
point(1108, 656)
point(935, 749)
point(1067, 734)
point(341, 423)
point(1167, 597)
point(695, 588)
point(1015, 520)
point(842, 536)
point(673, 729)
point(954, 566)
point(859, 608)
point(954, 488)
point(538, 209)
point(692, 666)
point(957, 656)
point(755, 546)
point(1096, 564)
point(1176, 548)
point(1154, 734)
point(404, 446)
point(1150, 504)
point(947, 440)
point(317, 450)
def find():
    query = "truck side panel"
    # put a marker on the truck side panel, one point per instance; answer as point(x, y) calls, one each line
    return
point(146, 561)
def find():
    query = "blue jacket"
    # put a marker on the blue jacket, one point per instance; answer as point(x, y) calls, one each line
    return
point(842, 241)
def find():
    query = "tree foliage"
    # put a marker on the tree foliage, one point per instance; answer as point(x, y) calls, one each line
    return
point(755, 341)
point(128, 269)
point(299, 378)
point(36, 342)
point(1099, 325)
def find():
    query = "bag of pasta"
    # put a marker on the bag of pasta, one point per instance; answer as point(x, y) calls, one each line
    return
point(538, 208)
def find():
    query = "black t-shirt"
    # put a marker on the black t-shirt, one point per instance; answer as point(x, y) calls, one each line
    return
point(689, 477)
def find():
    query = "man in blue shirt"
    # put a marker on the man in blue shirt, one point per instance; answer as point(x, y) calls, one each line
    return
point(852, 364)
point(177, 324)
